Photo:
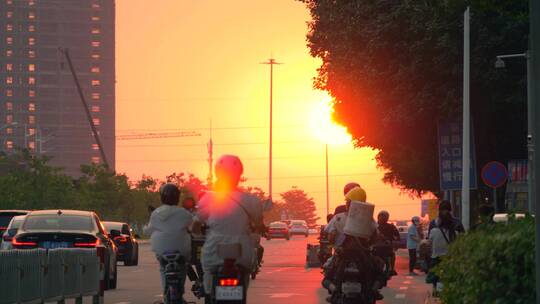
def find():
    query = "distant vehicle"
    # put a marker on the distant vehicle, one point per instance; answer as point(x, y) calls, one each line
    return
point(298, 227)
point(123, 237)
point(278, 230)
point(51, 229)
point(6, 216)
point(402, 227)
point(11, 231)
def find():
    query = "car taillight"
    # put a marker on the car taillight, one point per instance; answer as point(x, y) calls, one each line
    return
point(121, 239)
point(228, 282)
point(16, 242)
point(88, 245)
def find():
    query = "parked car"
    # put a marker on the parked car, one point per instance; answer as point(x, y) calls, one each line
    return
point(298, 227)
point(11, 231)
point(278, 230)
point(6, 216)
point(123, 237)
point(402, 227)
point(51, 229)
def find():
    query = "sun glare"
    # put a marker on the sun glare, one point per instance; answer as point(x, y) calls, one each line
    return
point(327, 130)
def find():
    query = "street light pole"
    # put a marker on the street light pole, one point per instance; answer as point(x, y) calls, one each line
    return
point(327, 187)
point(465, 191)
point(270, 62)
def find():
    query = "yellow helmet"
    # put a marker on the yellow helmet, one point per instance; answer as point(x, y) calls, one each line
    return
point(356, 194)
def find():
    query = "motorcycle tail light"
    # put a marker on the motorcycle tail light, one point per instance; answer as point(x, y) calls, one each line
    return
point(228, 282)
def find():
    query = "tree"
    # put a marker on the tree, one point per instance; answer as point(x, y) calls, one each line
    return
point(190, 182)
point(299, 206)
point(394, 69)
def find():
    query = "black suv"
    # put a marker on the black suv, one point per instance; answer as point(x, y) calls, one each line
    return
point(123, 237)
point(6, 216)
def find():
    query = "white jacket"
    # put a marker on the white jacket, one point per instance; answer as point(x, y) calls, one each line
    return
point(168, 230)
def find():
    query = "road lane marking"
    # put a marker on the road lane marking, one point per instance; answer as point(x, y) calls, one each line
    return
point(400, 296)
point(282, 295)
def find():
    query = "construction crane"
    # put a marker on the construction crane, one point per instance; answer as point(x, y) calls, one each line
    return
point(153, 135)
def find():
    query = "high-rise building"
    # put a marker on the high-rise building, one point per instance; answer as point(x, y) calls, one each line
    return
point(40, 108)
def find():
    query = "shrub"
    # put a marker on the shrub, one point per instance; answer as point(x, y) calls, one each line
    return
point(493, 264)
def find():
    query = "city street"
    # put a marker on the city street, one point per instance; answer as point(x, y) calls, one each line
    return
point(283, 279)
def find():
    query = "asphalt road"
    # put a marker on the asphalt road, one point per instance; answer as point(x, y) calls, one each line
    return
point(284, 279)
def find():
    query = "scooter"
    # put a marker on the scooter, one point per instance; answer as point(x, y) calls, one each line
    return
point(173, 263)
point(229, 281)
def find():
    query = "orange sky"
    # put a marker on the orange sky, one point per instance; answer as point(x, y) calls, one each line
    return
point(183, 63)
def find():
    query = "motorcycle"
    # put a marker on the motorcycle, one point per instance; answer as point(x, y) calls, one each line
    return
point(174, 264)
point(229, 281)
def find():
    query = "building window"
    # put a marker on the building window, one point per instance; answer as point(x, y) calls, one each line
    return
point(9, 67)
point(9, 106)
point(9, 144)
point(31, 145)
point(31, 93)
point(9, 40)
point(31, 107)
point(9, 14)
point(96, 43)
point(95, 56)
point(31, 131)
point(9, 2)
point(31, 15)
point(31, 28)
point(94, 70)
point(9, 131)
point(31, 2)
point(9, 27)
point(96, 82)
point(96, 121)
point(95, 108)
point(31, 80)
point(31, 67)
point(95, 147)
point(31, 41)
point(9, 92)
point(9, 80)
point(31, 119)
point(9, 53)
point(9, 119)
point(31, 54)
point(95, 31)
point(96, 5)
point(95, 18)
point(96, 96)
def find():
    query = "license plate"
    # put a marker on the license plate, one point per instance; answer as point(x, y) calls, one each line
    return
point(229, 293)
point(351, 287)
point(53, 245)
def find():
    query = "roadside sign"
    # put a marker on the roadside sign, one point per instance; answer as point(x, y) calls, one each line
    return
point(450, 156)
point(494, 174)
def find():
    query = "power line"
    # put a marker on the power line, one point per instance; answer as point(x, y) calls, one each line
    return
point(224, 144)
point(216, 128)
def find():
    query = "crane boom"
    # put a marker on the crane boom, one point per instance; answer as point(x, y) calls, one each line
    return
point(152, 135)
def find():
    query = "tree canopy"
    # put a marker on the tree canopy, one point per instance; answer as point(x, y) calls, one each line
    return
point(300, 206)
point(394, 69)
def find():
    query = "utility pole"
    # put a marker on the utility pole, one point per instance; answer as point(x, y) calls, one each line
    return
point(210, 147)
point(270, 62)
point(466, 167)
point(327, 187)
point(534, 44)
point(85, 106)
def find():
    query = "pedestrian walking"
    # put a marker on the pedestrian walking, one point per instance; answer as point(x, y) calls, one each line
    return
point(413, 238)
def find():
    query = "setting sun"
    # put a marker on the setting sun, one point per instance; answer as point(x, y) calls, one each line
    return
point(325, 128)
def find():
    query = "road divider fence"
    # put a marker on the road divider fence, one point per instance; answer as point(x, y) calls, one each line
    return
point(54, 275)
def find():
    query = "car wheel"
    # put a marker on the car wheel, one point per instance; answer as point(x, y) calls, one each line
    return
point(107, 276)
point(114, 280)
point(136, 258)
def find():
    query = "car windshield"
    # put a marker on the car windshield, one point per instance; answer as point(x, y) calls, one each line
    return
point(16, 223)
point(278, 225)
point(298, 223)
point(58, 222)
point(113, 226)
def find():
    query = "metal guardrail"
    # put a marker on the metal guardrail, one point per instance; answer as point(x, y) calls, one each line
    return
point(39, 275)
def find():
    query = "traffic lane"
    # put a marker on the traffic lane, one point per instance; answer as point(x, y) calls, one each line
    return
point(284, 278)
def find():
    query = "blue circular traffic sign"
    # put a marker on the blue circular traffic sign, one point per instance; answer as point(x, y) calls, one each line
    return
point(494, 174)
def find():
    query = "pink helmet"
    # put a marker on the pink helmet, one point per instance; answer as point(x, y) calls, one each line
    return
point(229, 166)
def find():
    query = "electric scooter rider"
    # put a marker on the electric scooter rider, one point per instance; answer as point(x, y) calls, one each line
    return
point(168, 230)
point(229, 215)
